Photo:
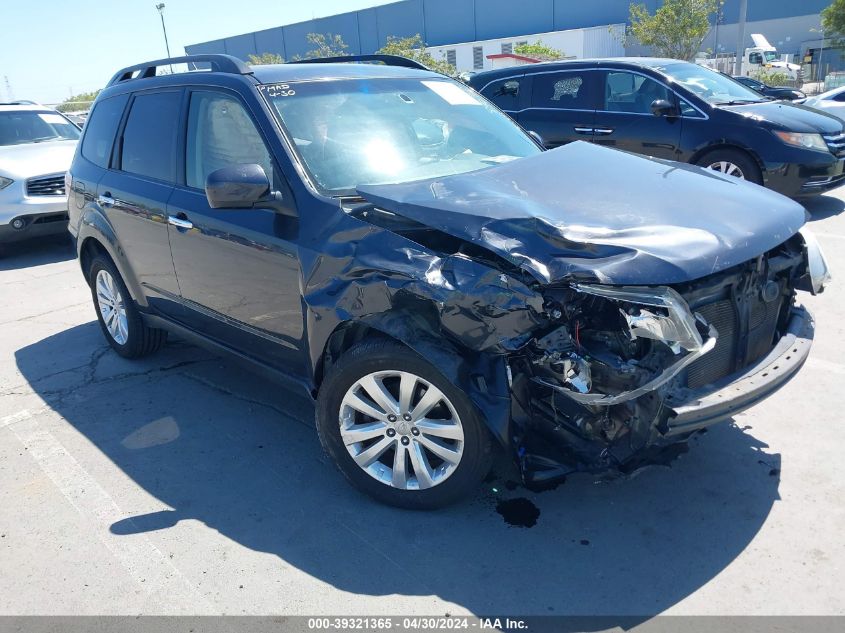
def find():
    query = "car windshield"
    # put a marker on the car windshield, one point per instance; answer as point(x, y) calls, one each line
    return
point(771, 56)
point(710, 85)
point(352, 132)
point(18, 127)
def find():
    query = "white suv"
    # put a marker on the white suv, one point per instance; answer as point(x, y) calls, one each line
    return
point(36, 148)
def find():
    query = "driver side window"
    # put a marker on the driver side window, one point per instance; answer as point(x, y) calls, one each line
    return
point(632, 93)
point(221, 133)
point(504, 93)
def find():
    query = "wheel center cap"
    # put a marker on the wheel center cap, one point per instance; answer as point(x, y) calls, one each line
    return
point(403, 428)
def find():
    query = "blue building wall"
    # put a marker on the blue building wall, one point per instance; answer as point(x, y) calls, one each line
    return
point(453, 21)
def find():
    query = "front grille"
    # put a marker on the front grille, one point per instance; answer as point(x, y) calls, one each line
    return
point(720, 361)
point(726, 357)
point(52, 185)
point(761, 333)
point(836, 144)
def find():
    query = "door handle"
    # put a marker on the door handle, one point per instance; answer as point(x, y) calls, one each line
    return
point(179, 223)
point(106, 200)
point(603, 131)
point(584, 130)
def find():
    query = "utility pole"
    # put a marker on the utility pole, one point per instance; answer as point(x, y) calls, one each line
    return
point(10, 96)
point(740, 37)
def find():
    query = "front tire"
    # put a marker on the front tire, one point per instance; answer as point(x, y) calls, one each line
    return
point(732, 162)
point(399, 430)
point(117, 314)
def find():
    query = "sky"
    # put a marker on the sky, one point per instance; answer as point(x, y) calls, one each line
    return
point(51, 49)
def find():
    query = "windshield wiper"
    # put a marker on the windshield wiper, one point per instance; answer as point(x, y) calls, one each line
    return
point(42, 139)
point(742, 101)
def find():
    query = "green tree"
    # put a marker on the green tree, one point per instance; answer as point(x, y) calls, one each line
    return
point(771, 77)
point(833, 20)
point(414, 48)
point(265, 58)
point(538, 50)
point(676, 29)
point(78, 103)
point(325, 45)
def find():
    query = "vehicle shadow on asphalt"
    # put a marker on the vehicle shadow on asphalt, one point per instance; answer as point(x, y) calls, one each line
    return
point(823, 207)
point(227, 448)
point(49, 250)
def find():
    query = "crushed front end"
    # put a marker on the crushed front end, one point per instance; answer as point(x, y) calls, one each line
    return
point(622, 374)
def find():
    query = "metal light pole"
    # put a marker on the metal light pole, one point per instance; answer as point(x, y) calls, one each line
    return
point(740, 39)
point(160, 7)
point(820, 70)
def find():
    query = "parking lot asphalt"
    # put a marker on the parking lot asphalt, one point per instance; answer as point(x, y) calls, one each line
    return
point(183, 484)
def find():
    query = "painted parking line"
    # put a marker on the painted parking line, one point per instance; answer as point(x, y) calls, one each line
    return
point(151, 569)
point(15, 417)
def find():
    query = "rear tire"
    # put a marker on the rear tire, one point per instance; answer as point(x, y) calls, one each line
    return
point(117, 314)
point(404, 452)
point(732, 162)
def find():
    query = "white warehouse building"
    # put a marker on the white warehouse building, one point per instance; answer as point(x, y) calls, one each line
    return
point(584, 43)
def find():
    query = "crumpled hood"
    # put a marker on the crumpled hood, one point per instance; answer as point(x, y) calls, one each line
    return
point(36, 159)
point(586, 213)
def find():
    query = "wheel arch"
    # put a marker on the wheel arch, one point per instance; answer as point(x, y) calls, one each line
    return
point(97, 236)
point(481, 375)
point(733, 146)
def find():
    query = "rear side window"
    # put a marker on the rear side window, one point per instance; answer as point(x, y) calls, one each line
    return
point(101, 128)
point(149, 138)
point(505, 92)
point(564, 91)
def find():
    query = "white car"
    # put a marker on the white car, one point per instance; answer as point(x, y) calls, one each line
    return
point(831, 102)
point(36, 148)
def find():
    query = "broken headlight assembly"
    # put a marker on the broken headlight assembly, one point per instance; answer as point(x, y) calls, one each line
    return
point(818, 272)
point(620, 343)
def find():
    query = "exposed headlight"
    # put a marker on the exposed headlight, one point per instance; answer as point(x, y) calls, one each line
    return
point(5, 182)
point(817, 267)
point(672, 323)
point(804, 141)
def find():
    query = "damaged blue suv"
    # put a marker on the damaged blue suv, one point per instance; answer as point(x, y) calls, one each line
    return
point(388, 240)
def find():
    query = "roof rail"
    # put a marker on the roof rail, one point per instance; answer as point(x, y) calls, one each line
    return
point(387, 60)
point(218, 62)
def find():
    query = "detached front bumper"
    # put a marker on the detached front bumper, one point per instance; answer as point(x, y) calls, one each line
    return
point(735, 393)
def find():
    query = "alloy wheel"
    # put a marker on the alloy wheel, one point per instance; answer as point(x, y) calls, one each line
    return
point(728, 168)
point(112, 307)
point(401, 430)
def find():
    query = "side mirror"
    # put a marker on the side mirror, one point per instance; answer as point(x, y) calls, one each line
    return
point(662, 107)
point(537, 138)
point(236, 186)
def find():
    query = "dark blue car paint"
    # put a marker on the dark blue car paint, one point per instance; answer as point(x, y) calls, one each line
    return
point(594, 224)
point(289, 294)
